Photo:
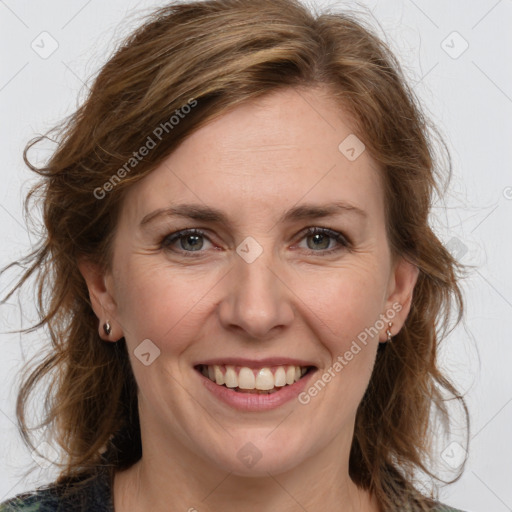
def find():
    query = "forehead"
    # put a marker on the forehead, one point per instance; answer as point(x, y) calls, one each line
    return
point(264, 156)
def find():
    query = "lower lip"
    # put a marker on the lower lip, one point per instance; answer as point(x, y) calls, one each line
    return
point(254, 401)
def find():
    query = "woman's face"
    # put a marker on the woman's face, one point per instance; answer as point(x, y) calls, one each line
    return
point(252, 290)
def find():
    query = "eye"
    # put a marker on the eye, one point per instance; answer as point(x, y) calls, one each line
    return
point(190, 240)
point(321, 239)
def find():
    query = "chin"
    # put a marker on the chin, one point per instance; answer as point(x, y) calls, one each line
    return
point(257, 456)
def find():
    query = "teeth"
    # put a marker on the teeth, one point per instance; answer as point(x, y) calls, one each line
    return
point(263, 379)
point(219, 378)
point(230, 378)
point(290, 375)
point(246, 379)
point(280, 377)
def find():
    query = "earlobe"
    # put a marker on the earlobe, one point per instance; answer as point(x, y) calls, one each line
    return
point(400, 294)
point(102, 300)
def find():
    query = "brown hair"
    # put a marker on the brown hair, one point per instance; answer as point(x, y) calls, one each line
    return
point(219, 54)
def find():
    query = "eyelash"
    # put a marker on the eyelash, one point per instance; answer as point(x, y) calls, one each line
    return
point(169, 239)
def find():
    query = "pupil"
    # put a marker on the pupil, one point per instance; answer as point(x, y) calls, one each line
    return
point(315, 237)
point(193, 237)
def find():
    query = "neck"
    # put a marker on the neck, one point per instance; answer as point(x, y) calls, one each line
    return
point(162, 480)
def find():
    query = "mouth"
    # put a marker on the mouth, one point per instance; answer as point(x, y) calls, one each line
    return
point(262, 381)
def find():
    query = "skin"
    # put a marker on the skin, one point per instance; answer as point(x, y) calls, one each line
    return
point(253, 163)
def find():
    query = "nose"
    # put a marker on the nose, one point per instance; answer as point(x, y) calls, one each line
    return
point(256, 299)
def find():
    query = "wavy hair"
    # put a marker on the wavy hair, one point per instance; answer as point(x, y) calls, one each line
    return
point(220, 54)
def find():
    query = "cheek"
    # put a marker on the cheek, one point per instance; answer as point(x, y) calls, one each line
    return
point(346, 300)
point(158, 302)
point(347, 319)
point(162, 303)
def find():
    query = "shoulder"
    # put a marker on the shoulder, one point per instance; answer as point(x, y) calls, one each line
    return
point(41, 500)
point(81, 494)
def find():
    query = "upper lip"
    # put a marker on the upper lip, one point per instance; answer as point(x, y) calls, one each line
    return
point(255, 363)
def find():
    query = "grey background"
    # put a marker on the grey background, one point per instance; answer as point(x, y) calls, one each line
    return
point(468, 94)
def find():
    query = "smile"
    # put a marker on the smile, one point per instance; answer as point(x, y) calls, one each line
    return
point(264, 380)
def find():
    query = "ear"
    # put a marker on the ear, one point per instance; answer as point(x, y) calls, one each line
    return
point(103, 303)
point(399, 295)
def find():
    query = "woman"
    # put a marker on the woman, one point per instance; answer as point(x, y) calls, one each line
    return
point(238, 275)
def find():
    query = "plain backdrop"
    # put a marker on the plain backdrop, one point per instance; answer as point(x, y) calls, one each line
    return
point(457, 55)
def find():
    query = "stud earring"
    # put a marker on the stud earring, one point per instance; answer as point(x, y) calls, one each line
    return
point(388, 332)
point(107, 328)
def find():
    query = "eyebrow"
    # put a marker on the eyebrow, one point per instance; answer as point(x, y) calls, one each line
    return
point(204, 213)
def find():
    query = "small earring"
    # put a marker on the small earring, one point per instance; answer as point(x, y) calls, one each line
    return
point(107, 328)
point(388, 332)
